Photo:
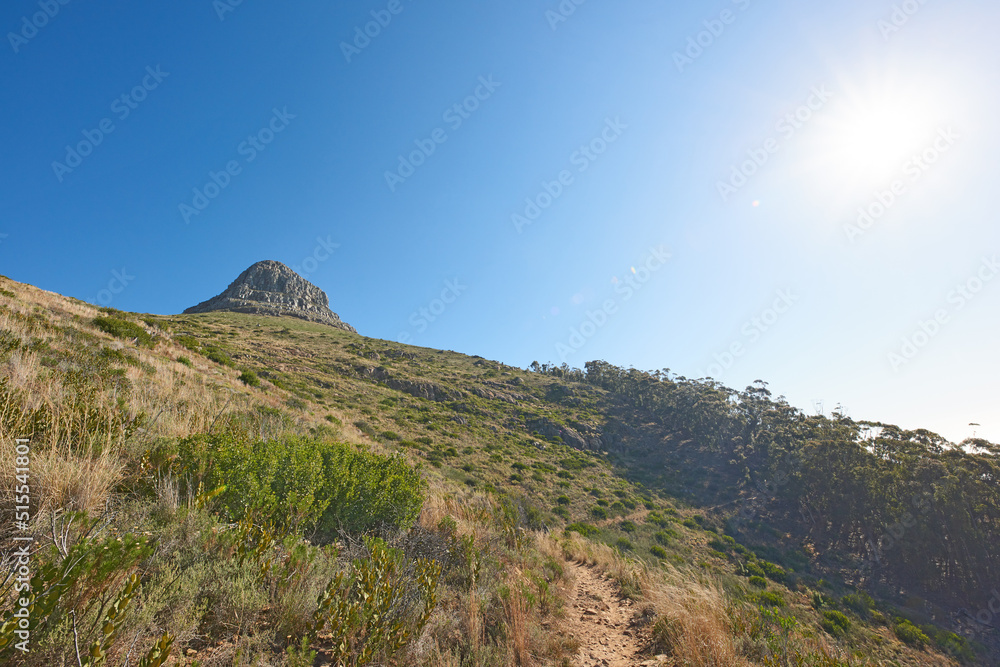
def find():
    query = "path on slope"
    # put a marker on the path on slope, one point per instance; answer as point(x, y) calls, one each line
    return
point(601, 620)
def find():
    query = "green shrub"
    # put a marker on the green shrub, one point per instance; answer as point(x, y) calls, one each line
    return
point(662, 536)
point(249, 378)
point(389, 435)
point(377, 608)
point(599, 512)
point(623, 544)
point(627, 526)
point(909, 633)
point(189, 342)
point(219, 357)
point(124, 329)
point(758, 582)
point(302, 482)
point(771, 599)
point(185, 361)
point(835, 622)
point(333, 420)
point(860, 603)
point(563, 500)
point(658, 551)
point(602, 503)
point(773, 572)
point(584, 529)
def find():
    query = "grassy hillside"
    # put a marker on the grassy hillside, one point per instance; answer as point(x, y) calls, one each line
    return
point(231, 489)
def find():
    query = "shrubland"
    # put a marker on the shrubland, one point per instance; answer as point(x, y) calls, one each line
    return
point(241, 490)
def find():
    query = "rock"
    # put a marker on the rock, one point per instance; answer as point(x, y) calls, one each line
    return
point(270, 288)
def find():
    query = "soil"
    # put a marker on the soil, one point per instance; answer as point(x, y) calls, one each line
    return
point(604, 623)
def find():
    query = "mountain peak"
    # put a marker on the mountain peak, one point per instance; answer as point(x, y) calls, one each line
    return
point(271, 288)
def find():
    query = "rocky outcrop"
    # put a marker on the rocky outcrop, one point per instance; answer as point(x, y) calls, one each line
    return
point(271, 288)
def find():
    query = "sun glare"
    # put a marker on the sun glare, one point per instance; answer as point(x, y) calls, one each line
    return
point(867, 133)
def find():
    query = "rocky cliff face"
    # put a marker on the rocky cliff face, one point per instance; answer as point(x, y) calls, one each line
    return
point(271, 288)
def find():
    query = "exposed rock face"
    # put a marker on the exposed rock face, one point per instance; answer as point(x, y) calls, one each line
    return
point(271, 288)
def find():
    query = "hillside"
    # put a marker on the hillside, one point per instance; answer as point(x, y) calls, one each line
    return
point(227, 488)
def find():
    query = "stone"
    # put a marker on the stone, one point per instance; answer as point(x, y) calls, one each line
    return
point(270, 288)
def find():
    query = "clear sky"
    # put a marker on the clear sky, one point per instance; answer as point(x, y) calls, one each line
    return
point(507, 166)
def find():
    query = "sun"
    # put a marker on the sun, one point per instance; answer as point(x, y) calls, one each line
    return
point(868, 132)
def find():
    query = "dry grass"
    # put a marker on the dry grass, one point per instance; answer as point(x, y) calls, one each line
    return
point(693, 624)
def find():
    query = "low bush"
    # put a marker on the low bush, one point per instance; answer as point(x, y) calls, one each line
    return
point(835, 623)
point(124, 329)
point(302, 482)
point(249, 378)
point(909, 633)
point(584, 529)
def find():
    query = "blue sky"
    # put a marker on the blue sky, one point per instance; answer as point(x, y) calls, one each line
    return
point(822, 176)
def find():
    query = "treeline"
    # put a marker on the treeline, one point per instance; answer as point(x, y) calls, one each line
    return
point(908, 507)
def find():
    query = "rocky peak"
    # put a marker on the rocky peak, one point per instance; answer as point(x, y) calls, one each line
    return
point(271, 288)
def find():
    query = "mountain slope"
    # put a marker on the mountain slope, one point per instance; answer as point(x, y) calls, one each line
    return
point(161, 427)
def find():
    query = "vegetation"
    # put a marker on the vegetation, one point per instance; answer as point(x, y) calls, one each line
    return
point(382, 504)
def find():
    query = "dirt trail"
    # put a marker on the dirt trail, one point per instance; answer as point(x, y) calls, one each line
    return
point(601, 621)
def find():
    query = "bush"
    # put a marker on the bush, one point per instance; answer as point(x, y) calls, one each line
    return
point(860, 603)
point(124, 329)
point(190, 342)
point(624, 544)
point(662, 536)
point(249, 378)
point(835, 623)
point(758, 582)
point(627, 526)
point(584, 529)
point(219, 357)
point(771, 599)
point(599, 512)
point(909, 633)
point(773, 572)
point(185, 361)
point(377, 608)
point(563, 500)
point(658, 551)
point(302, 482)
